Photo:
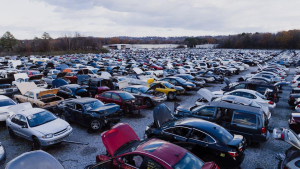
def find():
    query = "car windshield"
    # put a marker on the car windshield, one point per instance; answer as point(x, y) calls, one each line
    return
point(143, 89)
point(45, 96)
point(93, 105)
point(40, 118)
point(168, 85)
point(260, 95)
point(189, 161)
point(126, 96)
point(190, 77)
point(6, 102)
point(223, 135)
point(255, 104)
point(180, 80)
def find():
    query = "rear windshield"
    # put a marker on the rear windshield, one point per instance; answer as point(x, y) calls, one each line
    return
point(189, 161)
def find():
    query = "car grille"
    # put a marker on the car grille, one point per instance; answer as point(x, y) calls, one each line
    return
point(9, 90)
point(60, 132)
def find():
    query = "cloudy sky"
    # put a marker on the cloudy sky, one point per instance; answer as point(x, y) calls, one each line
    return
point(26, 19)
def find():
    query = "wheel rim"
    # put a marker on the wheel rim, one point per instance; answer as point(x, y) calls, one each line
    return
point(95, 124)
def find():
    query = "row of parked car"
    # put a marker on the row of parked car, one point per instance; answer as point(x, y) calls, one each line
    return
point(211, 134)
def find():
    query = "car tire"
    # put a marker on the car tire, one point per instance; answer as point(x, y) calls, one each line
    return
point(148, 103)
point(96, 124)
point(36, 145)
point(171, 96)
point(11, 133)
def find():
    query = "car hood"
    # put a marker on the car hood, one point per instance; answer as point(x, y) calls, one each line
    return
point(107, 109)
point(59, 82)
point(25, 86)
point(117, 136)
point(52, 127)
point(178, 88)
point(162, 114)
point(208, 95)
point(81, 78)
point(138, 70)
point(153, 87)
point(6, 81)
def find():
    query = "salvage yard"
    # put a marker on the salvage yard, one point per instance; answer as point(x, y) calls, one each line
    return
point(73, 156)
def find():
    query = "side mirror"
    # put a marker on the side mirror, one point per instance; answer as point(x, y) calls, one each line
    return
point(25, 126)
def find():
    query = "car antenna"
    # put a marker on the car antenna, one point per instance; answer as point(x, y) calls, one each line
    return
point(177, 155)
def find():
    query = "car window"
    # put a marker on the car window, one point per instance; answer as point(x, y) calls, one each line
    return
point(244, 118)
point(235, 93)
point(16, 118)
point(94, 83)
point(200, 136)
point(106, 95)
point(27, 94)
point(179, 131)
point(31, 95)
point(134, 90)
point(128, 89)
point(69, 74)
point(252, 86)
point(206, 111)
point(240, 86)
point(114, 96)
point(78, 107)
point(151, 164)
point(23, 120)
point(248, 95)
point(135, 160)
point(69, 104)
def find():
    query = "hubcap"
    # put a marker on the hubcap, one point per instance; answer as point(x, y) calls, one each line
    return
point(95, 125)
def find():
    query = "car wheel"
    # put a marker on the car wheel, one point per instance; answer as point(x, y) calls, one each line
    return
point(96, 124)
point(148, 103)
point(171, 95)
point(36, 145)
point(11, 133)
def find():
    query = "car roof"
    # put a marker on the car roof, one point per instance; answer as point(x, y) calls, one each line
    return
point(239, 99)
point(244, 90)
point(253, 110)
point(136, 86)
point(165, 151)
point(71, 85)
point(83, 100)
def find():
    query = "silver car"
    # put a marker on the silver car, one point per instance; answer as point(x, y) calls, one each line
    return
point(39, 126)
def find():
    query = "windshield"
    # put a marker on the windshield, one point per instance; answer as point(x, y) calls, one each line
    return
point(93, 105)
point(168, 85)
point(180, 80)
point(189, 161)
point(126, 96)
point(190, 77)
point(260, 95)
point(223, 135)
point(143, 89)
point(255, 104)
point(94, 71)
point(40, 118)
point(45, 96)
point(7, 102)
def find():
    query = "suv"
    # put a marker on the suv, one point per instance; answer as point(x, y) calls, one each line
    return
point(251, 122)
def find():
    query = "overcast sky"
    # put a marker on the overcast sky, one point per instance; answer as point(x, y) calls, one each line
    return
point(26, 19)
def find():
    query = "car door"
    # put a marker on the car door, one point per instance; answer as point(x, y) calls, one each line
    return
point(136, 93)
point(244, 124)
point(31, 98)
point(116, 99)
point(23, 129)
point(132, 161)
point(204, 143)
point(235, 93)
point(248, 95)
point(206, 113)
point(24, 98)
point(14, 125)
point(78, 112)
point(176, 134)
point(69, 107)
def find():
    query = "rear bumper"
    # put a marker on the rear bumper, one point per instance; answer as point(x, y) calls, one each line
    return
point(261, 138)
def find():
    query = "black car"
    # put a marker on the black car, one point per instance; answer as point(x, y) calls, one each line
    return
point(177, 81)
point(205, 139)
point(294, 95)
point(73, 91)
point(249, 62)
point(251, 122)
point(198, 82)
point(89, 112)
point(269, 90)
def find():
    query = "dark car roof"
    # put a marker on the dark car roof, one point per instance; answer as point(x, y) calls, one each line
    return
point(254, 110)
point(72, 85)
point(83, 100)
point(96, 79)
point(257, 83)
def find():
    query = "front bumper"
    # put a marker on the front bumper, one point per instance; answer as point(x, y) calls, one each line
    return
point(56, 139)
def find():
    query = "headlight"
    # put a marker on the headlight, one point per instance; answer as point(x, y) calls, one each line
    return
point(48, 136)
point(69, 128)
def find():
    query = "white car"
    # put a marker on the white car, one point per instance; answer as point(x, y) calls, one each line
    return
point(5, 103)
point(296, 81)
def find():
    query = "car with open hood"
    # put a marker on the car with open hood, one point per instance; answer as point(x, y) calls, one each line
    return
point(34, 160)
point(177, 81)
point(89, 112)
point(49, 78)
point(149, 96)
point(167, 88)
point(127, 151)
point(39, 126)
point(38, 97)
point(127, 102)
point(291, 158)
point(207, 140)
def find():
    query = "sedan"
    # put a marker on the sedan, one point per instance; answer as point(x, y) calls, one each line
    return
point(39, 126)
point(127, 151)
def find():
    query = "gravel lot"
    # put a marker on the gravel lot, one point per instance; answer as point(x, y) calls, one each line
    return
point(74, 156)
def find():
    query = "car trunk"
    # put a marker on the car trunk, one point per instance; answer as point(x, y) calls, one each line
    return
point(237, 144)
point(51, 100)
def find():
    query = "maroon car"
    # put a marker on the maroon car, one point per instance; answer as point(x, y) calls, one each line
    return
point(128, 103)
point(127, 151)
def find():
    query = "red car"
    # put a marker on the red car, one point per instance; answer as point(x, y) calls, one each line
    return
point(72, 77)
point(127, 102)
point(129, 152)
point(156, 67)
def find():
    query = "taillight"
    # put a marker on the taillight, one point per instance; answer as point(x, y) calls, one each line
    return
point(263, 131)
point(233, 154)
point(241, 148)
point(291, 98)
point(217, 167)
point(298, 106)
point(282, 136)
point(282, 78)
point(270, 102)
point(294, 82)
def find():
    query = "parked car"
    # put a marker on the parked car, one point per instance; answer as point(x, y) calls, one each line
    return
point(98, 85)
point(34, 160)
point(149, 96)
point(128, 151)
point(71, 76)
point(294, 95)
point(177, 81)
point(168, 89)
point(5, 102)
point(39, 126)
point(2, 154)
point(6, 88)
point(73, 91)
point(89, 112)
point(251, 122)
point(208, 76)
point(290, 159)
point(127, 102)
point(205, 139)
point(198, 82)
